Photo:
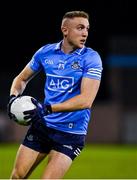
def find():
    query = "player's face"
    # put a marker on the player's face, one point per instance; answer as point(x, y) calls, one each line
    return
point(77, 32)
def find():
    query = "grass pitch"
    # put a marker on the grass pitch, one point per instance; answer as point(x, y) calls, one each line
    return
point(95, 162)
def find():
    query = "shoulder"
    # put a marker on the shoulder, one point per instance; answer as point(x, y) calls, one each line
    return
point(89, 52)
point(46, 48)
point(91, 56)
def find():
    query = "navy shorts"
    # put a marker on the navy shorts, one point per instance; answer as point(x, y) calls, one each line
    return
point(44, 139)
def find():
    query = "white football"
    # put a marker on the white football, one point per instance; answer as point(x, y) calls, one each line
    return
point(19, 105)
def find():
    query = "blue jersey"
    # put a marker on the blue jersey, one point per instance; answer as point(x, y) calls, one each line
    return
point(64, 73)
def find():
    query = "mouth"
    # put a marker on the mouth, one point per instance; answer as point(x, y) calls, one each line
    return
point(82, 41)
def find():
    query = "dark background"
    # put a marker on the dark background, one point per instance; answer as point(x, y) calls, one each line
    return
point(28, 25)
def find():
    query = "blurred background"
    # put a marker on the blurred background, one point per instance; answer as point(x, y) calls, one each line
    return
point(26, 26)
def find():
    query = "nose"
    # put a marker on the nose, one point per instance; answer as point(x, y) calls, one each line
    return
point(85, 34)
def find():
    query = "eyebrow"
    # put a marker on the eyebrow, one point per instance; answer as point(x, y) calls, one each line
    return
point(83, 25)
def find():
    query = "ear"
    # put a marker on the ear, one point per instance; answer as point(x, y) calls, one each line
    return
point(64, 30)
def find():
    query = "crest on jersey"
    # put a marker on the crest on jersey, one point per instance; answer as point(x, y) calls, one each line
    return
point(75, 65)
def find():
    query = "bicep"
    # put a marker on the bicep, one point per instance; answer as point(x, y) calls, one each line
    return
point(89, 89)
point(26, 74)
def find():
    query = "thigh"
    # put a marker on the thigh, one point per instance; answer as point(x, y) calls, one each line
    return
point(57, 166)
point(26, 160)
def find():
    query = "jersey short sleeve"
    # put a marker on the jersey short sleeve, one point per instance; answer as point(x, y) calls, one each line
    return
point(35, 62)
point(93, 66)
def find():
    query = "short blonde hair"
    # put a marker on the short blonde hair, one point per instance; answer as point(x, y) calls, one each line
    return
point(73, 14)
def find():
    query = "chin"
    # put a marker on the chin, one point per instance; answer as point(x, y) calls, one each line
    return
point(81, 45)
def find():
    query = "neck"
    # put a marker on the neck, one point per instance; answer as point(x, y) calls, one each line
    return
point(66, 47)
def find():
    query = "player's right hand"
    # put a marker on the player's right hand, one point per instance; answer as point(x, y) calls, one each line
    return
point(10, 101)
point(38, 113)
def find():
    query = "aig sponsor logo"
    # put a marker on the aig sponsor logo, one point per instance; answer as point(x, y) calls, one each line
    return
point(60, 83)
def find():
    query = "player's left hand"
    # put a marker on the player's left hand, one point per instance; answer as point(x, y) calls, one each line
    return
point(38, 113)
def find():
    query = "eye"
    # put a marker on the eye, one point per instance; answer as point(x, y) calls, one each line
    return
point(80, 28)
point(87, 29)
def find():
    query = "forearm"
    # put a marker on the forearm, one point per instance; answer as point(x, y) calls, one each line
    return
point(76, 103)
point(17, 86)
point(84, 100)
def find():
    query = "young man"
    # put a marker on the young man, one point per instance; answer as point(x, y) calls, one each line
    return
point(73, 74)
